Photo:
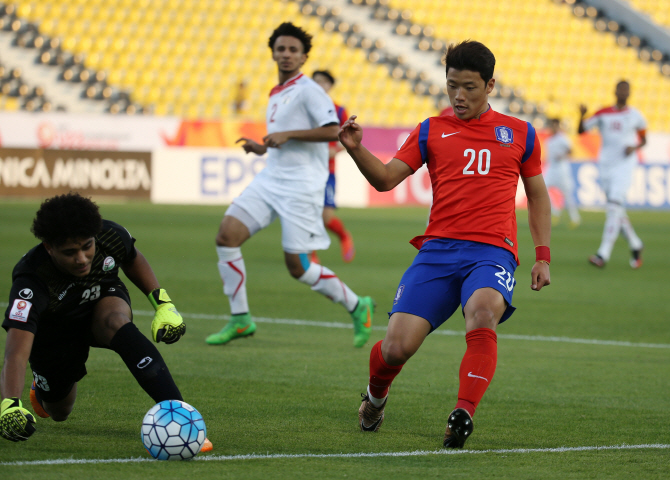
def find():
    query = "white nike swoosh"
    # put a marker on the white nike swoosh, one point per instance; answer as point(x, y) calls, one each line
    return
point(449, 135)
point(477, 376)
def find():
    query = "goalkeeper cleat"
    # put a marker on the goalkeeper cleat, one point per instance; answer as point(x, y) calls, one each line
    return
point(37, 408)
point(362, 317)
point(597, 260)
point(238, 327)
point(348, 249)
point(206, 446)
point(636, 259)
point(459, 428)
point(370, 418)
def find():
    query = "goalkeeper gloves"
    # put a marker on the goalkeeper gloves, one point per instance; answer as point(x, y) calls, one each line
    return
point(167, 325)
point(16, 423)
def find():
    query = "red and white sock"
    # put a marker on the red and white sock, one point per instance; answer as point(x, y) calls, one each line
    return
point(234, 277)
point(324, 281)
point(381, 375)
point(477, 367)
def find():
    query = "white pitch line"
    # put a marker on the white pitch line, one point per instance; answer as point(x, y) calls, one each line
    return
point(415, 453)
point(310, 323)
point(460, 333)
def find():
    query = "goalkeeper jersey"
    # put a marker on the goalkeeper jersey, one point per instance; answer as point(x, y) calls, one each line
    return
point(47, 302)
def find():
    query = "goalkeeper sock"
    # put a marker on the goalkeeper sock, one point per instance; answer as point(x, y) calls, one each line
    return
point(477, 367)
point(324, 281)
point(234, 277)
point(145, 363)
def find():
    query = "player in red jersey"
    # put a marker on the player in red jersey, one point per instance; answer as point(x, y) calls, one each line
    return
point(332, 222)
point(468, 253)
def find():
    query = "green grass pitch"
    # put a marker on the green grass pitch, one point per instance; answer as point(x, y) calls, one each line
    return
point(583, 363)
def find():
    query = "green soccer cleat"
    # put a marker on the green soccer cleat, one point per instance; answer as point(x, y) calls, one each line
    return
point(362, 317)
point(238, 327)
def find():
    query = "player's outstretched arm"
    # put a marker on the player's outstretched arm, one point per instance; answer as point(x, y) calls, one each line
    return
point(383, 177)
point(582, 112)
point(168, 325)
point(326, 133)
point(251, 146)
point(16, 423)
point(539, 220)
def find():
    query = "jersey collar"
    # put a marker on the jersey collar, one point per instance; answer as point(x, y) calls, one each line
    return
point(482, 118)
point(286, 84)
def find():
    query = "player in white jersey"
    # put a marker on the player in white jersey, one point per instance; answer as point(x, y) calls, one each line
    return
point(559, 173)
point(301, 120)
point(622, 129)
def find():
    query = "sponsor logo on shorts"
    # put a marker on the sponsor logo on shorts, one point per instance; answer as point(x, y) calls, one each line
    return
point(20, 310)
point(144, 362)
point(108, 264)
point(112, 289)
point(26, 294)
point(41, 382)
point(398, 294)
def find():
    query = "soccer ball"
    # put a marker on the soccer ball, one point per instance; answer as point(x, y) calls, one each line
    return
point(173, 430)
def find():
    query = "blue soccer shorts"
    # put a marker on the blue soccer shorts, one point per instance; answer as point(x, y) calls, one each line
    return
point(330, 192)
point(445, 273)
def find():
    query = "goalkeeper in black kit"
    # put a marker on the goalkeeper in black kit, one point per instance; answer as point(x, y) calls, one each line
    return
point(66, 297)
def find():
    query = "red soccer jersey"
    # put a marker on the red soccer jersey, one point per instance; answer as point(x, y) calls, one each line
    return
point(342, 117)
point(474, 169)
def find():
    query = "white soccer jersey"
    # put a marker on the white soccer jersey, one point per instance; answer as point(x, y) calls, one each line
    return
point(558, 147)
point(619, 129)
point(298, 167)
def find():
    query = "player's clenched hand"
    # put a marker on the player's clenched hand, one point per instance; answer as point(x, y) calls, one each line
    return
point(539, 276)
point(16, 423)
point(167, 325)
point(252, 147)
point(351, 133)
point(582, 109)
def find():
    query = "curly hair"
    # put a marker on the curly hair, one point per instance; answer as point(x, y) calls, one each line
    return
point(290, 30)
point(473, 56)
point(65, 217)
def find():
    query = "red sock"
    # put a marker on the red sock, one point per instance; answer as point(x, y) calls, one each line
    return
point(477, 367)
point(381, 373)
point(337, 227)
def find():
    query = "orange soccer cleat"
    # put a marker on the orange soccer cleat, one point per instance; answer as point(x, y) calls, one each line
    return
point(37, 408)
point(207, 446)
point(348, 249)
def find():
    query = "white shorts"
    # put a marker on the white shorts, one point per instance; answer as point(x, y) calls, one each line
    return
point(615, 180)
point(559, 175)
point(300, 215)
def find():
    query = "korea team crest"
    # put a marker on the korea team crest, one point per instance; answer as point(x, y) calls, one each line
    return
point(504, 135)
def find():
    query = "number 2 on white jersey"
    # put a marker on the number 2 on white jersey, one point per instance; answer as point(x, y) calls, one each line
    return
point(483, 161)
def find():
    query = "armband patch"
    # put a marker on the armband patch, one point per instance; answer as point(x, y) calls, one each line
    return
point(20, 310)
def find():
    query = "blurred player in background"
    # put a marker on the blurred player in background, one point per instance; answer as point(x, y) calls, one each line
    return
point(66, 297)
point(301, 120)
point(622, 129)
point(330, 220)
point(468, 253)
point(559, 173)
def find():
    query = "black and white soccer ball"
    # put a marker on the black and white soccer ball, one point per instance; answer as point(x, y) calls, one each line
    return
point(173, 430)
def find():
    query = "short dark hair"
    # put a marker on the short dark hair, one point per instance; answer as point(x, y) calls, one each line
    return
point(473, 56)
point(290, 30)
point(622, 82)
point(65, 217)
point(326, 74)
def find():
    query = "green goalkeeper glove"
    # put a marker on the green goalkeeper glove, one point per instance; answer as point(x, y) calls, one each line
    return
point(167, 325)
point(16, 423)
